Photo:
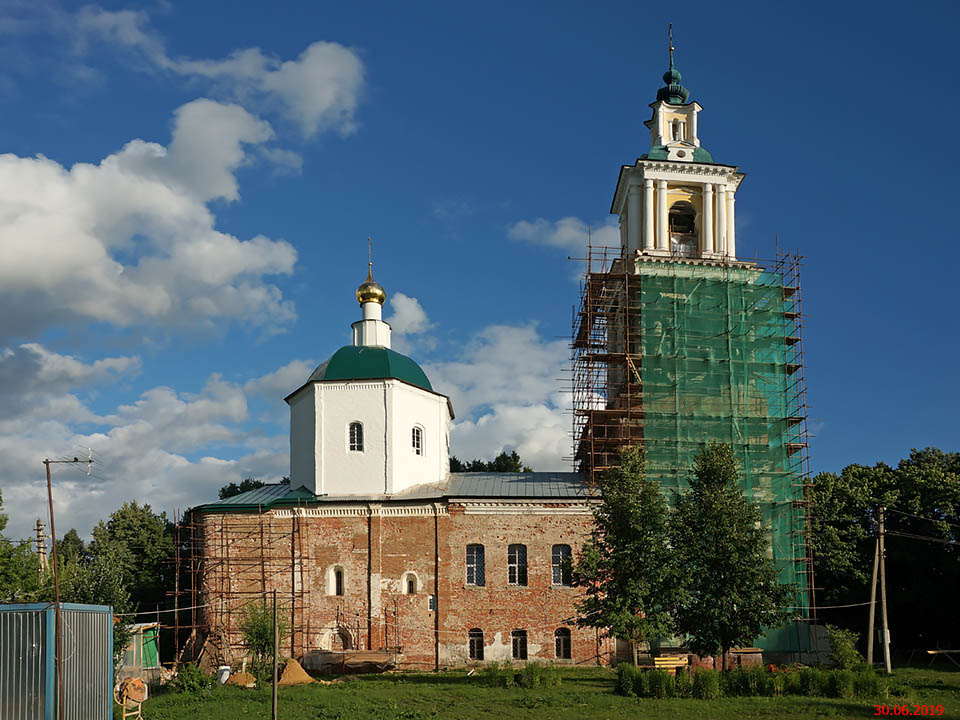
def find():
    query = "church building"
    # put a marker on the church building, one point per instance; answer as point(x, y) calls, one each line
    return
point(375, 545)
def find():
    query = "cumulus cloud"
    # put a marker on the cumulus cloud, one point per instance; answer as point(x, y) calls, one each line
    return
point(506, 391)
point(408, 316)
point(166, 447)
point(569, 233)
point(132, 239)
point(320, 90)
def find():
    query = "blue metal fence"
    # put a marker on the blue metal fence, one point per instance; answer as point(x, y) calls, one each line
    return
point(28, 681)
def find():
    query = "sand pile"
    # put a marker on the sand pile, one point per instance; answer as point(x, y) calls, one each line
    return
point(294, 674)
point(243, 679)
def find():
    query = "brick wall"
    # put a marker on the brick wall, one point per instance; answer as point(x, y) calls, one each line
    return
point(378, 547)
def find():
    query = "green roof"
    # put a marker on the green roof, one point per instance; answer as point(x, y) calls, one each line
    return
point(261, 498)
point(659, 152)
point(354, 362)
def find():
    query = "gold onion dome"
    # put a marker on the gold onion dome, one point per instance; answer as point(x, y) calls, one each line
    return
point(370, 290)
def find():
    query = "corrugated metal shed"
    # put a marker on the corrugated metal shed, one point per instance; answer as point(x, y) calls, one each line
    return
point(27, 670)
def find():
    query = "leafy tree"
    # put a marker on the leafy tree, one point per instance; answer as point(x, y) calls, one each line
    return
point(729, 588)
point(71, 545)
point(19, 567)
point(502, 463)
point(843, 515)
point(140, 542)
point(627, 569)
point(256, 624)
point(245, 485)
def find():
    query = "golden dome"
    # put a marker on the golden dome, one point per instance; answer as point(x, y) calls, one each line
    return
point(370, 290)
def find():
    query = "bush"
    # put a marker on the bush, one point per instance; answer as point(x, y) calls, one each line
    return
point(811, 682)
point(778, 684)
point(625, 676)
point(791, 684)
point(843, 648)
point(840, 684)
point(867, 684)
point(641, 683)
point(706, 685)
point(256, 624)
point(661, 683)
point(682, 684)
point(538, 674)
point(191, 679)
point(499, 675)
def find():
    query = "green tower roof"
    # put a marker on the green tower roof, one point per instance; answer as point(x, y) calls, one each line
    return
point(673, 92)
point(353, 362)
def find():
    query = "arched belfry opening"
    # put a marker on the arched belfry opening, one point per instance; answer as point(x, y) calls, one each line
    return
point(683, 229)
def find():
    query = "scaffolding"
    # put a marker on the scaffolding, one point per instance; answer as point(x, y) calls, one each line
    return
point(671, 353)
point(226, 562)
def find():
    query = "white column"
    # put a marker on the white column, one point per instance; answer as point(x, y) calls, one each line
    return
point(721, 220)
point(647, 214)
point(706, 242)
point(731, 228)
point(634, 201)
point(693, 127)
point(662, 241)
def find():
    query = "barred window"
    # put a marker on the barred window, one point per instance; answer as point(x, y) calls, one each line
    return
point(475, 569)
point(519, 640)
point(517, 565)
point(561, 639)
point(417, 440)
point(475, 644)
point(561, 565)
point(356, 437)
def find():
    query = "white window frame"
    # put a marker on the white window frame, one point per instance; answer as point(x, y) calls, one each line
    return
point(416, 440)
point(350, 439)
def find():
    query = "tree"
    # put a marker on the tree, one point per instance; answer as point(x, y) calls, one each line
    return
point(728, 586)
point(256, 624)
point(627, 569)
point(245, 485)
point(502, 463)
point(19, 567)
point(843, 513)
point(71, 545)
point(140, 542)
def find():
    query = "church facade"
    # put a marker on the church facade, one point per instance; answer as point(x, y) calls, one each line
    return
point(375, 545)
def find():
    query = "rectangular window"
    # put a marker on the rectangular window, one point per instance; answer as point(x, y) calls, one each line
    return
point(432, 603)
point(561, 565)
point(475, 569)
point(562, 641)
point(517, 565)
point(519, 638)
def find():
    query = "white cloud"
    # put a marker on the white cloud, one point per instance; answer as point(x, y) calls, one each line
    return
point(409, 317)
point(320, 90)
point(506, 392)
point(132, 240)
point(569, 233)
point(168, 448)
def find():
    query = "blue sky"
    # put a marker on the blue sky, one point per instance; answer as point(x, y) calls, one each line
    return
point(186, 193)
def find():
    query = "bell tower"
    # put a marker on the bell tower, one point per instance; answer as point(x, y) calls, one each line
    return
point(675, 201)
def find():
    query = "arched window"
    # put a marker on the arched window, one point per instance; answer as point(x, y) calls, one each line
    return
point(561, 565)
point(475, 644)
point(517, 565)
point(410, 584)
point(683, 229)
point(561, 640)
point(475, 565)
point(356, 437)
point(683, 218)
point(518, 639)
point(417, 439)
point(678, 129)
point(335, 580)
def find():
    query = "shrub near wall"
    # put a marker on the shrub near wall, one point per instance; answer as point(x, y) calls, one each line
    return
point(750, 682)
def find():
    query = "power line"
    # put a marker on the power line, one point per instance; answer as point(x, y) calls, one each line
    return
point(922, 537)
point(921, 517)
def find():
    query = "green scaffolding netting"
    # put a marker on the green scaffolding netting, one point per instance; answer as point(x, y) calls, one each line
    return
point(717, 366)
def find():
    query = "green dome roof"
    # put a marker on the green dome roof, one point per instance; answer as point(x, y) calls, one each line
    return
point(353, 362)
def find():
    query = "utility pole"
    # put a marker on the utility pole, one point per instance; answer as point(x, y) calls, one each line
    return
point(883, 595)
point(41, 548)
point(873, 600)
point(276, 653)
point(58, 635)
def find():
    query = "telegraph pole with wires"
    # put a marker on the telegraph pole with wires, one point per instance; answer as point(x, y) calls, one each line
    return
point(58, 633)
point(883, 594)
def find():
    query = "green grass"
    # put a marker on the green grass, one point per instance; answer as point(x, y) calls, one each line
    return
point(585, 693)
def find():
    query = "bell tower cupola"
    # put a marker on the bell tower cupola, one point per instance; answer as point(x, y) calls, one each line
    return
point(371, 330)
point(675, 201)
